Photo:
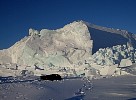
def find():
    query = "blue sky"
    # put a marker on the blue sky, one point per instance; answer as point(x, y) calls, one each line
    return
point(17, 16)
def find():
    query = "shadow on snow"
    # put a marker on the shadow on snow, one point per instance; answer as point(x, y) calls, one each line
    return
point(80, 97)
point(11, 79)
point(132, 99)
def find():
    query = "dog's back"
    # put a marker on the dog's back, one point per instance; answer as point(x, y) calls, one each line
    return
point(51, 77)
point(43, 77)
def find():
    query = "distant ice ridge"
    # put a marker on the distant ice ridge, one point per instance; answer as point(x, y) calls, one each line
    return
point(104, 37)
point(125, 33)
point(77, 49)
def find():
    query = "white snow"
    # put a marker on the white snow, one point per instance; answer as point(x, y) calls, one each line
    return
point(117, 88)
point(77, 50)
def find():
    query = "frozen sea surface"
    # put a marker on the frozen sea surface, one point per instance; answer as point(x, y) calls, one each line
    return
point(30, 88)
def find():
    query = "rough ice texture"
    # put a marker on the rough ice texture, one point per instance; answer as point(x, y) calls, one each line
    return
point(114, 55)
point(72, 46)
point(65, 47)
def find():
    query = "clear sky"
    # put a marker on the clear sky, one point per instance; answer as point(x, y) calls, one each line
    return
point(17, 16)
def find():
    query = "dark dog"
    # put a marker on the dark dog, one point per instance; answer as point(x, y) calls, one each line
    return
point(51, 77)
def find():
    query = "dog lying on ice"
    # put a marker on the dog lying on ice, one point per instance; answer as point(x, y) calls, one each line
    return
point(51, 77)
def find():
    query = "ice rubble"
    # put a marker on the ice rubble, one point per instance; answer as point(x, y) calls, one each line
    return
point(77, 49)
point(119, 54)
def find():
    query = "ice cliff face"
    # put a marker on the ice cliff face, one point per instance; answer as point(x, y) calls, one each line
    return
point(107, 37)
point(61, 47)
point(73, 46)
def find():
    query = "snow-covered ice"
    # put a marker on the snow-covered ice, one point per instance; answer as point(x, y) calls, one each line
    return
point(87, 56)
point(116, 88)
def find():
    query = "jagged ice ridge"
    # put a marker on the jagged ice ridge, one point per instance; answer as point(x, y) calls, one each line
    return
point(78, 48)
